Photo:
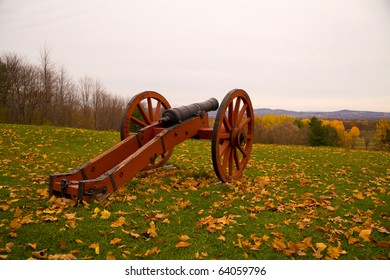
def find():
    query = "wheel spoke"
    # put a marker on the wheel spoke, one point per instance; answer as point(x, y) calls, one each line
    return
point(243, 151)
point(143, 113)
point(158, 111)
point(230, 114)
point(231, 157)
point(226, 157)
point(227, 125)
point(236, 111)
point(223, 148)
point(245, 122)
point(237, 159)
point(137, 121)
point(241, 113)
point(150, 109)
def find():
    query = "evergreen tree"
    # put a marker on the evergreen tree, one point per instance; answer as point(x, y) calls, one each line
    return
point(322, 135)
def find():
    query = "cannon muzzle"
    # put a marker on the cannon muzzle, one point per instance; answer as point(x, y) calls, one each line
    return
point(176, 115)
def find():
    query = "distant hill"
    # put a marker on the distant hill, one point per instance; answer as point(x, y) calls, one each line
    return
point(336, 115)
point(340, 115)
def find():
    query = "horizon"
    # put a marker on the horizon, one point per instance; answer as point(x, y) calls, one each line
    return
point(322, 111)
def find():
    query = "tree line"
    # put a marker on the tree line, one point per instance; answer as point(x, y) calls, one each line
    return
point(287, 130)
point(47, 94)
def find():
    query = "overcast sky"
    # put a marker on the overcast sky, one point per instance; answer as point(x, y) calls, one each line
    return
point(290, 54)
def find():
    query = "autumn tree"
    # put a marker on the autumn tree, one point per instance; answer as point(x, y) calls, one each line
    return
point(383, 133)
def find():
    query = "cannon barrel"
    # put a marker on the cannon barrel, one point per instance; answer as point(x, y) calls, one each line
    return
point(176, 115)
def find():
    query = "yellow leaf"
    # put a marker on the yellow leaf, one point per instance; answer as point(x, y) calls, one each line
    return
point(49, 218)
point(358, 195)
point(182, 244)
point(184, 237)
point(152, 230)
point(96, 210)
point(335, 252)
point(79, 241)
point(110, 256)
point(70, 216)
point(115, 241)
point(221, 237)
point(95, 246)
point(4, 207)
point(321, 246)
point(365, 234)
point(352, 240)
point(119, 223)
point(32, 245)
point(105, 214)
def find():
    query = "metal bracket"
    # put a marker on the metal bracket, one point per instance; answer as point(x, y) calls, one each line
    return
point(63, 186)
point(94, 191)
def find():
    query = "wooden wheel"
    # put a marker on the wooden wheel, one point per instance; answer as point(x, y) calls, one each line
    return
point(144, 109)
point(232, 135)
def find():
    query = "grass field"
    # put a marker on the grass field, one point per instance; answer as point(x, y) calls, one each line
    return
point(293, 202)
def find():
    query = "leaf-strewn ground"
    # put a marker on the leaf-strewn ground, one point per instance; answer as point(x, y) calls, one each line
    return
point(294, 202)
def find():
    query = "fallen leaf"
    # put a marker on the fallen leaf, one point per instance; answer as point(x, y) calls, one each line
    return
point(184, 237)
point(40, 254)
point(104, 215)
point(95, 246)
point(62, 244)
point(223, 238)
point(116, 241)
point(365, 234)
point(335, 252)
point(182, 244)
point(383, 244)
point(62, 257)
point(32, 245)
point(352, 240)
point(152, 230)
point(119, 223)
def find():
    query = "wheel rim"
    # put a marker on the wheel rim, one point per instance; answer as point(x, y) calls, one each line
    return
point(144, 109)
point(232, 135)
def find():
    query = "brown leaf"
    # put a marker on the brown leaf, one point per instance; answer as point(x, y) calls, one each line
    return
point(62, 244)
point(40, 254)
point(383, 244)
point(62, 257)
point(49, 218)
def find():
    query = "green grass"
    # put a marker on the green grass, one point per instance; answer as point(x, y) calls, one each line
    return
point(292, 202)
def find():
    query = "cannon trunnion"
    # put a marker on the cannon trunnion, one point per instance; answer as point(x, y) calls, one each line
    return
point(149, 132)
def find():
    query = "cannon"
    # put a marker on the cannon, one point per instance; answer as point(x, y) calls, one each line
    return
point(149, 132)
